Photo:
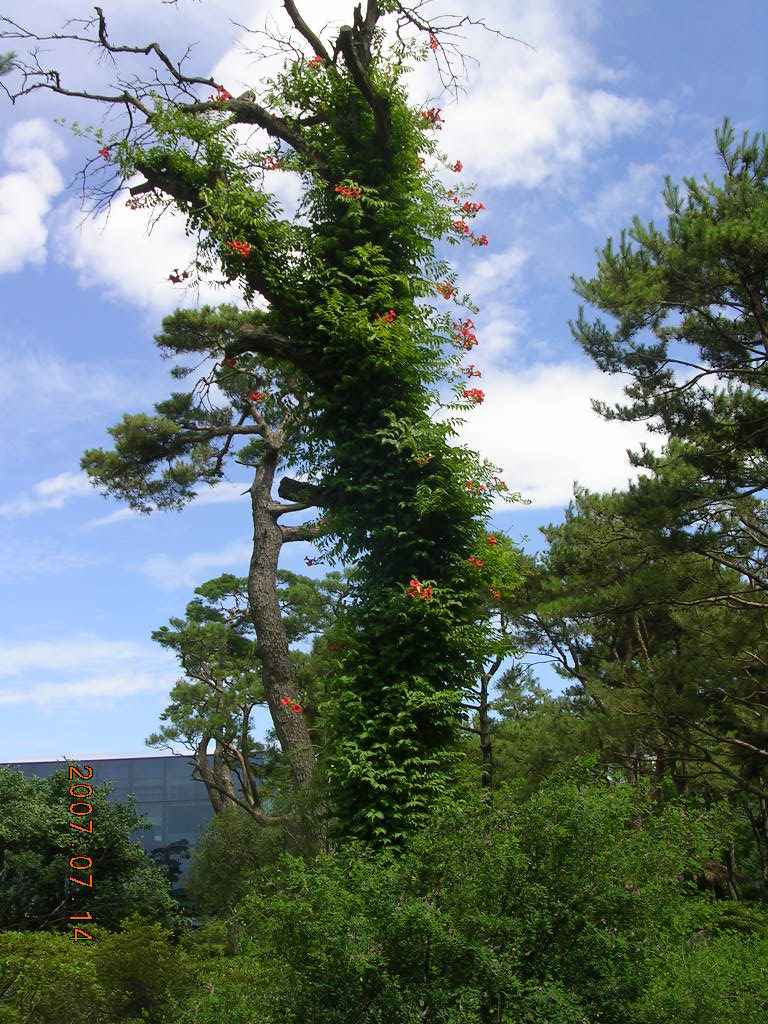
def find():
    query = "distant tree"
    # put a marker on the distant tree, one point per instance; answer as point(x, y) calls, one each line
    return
point(230, 849)
point(689, 324)
point(218, 650)
point(498, 553)
point(36, 847)
point(535, 733)
point(678, 684)
point(644, 630)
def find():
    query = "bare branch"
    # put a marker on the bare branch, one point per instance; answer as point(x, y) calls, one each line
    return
point(351, 46)
point(303, 28)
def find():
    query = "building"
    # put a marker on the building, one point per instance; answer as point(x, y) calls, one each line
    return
point(175, 803)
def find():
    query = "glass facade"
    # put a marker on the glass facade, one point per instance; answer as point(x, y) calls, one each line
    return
point(175, 803)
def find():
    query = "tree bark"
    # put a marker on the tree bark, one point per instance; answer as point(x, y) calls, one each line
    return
point(267, 619)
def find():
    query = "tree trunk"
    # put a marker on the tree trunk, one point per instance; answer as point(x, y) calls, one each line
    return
point(484, 723)
point(267, 619)
point(217, 780)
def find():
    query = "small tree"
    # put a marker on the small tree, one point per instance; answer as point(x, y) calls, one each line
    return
point(36, 846)
point(217, 648)
point(159, 461)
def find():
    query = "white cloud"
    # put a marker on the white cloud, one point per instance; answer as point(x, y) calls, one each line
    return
point(118, 516)
point(80, 670)
point(529, 115)
point(190, 571)
point(608, 211)
point(496, 282)
point(129, 260)
point(538, 425)
point(495, 272)
point(65, 391)
point(231, 490)
point(52, 492)
point(24, 558)
point(26, 193)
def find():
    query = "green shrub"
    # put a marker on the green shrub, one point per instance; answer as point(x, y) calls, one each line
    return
point(49, 979)
point(231, 847)
point(558, 910)
point(723, 980)
point(142, 970)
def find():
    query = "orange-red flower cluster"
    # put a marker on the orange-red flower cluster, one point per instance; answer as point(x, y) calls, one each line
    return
point(256, 396)
point(458, 167)
point(462, 226)
point(473, 394)
point(495, 594)
point(433, 43)
point(104, 152)
point(241, 248)
point(422, 460)
point(475, 488)
point(416, 589)
point(348, 193)
point(476, 562)
point(220, 95)
point(482, 240)
point(433, 116)
point(472, 207)
point(465, 334)
point(270, 164)
point(231, 363)
point(491, 540)
point(387, 317)
point(471, 371)
point(316, 61)
point(446, 289)
point(285, 701)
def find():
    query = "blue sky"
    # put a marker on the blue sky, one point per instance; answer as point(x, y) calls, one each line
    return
point(565, 141)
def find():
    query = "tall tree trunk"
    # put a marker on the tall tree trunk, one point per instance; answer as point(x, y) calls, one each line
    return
point(267, 619)
point(484, 723)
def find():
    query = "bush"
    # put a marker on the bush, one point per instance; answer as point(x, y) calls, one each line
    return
point(142, 970)
point(136, 974)
point(230, 848)
point(723, 980)
point(49, 979)
point(558, 910)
